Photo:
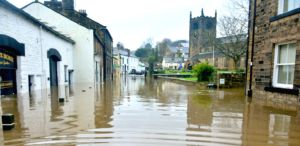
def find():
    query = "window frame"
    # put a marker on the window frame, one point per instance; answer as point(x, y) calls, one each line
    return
point(276, 67)
point(281, 7)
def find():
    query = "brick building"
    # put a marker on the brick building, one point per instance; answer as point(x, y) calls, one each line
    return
point(273, 54)
point(201, 50)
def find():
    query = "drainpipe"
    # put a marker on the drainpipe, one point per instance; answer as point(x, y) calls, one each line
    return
point(42, 57)
point(252, 51)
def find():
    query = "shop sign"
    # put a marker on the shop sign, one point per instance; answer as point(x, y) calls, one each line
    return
point(7, 60)
point(6, 84)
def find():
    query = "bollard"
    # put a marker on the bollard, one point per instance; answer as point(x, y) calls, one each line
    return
point(61, 100)
point(8, 121)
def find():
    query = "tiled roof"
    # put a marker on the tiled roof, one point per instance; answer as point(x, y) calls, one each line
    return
point(175, 60)
point(182, 49)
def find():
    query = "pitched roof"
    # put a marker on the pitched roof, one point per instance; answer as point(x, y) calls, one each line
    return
point(6, 3)
point(185, 45)
point(175, 60)
point(122, 52)
point(182, 49)
point(115, 51)
point(208, 55)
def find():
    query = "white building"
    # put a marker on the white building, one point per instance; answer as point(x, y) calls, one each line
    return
point(128, 61)
point(33, 56)
point(88, 62)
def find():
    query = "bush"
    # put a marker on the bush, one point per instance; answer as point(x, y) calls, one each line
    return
point(204, 72)
point(161, 71)
point(183, 70)
point(241, 70)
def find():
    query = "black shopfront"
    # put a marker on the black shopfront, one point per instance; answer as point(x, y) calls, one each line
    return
point(9, 50)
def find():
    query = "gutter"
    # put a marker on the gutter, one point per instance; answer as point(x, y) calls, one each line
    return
point(20, 11)
point(252, 51)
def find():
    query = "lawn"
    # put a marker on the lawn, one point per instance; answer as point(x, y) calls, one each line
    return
point(189, 79)
point(226, 71)
point(168, 72)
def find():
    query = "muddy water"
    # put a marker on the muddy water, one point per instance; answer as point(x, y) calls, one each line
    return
point(133, 110)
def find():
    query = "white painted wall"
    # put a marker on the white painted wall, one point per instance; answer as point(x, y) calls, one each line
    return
point(37, 42)
point(84, 47)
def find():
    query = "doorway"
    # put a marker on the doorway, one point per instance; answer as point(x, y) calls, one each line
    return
point(53, 71)
point(30, 83)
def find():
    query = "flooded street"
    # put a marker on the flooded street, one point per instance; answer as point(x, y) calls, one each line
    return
point(132, 110)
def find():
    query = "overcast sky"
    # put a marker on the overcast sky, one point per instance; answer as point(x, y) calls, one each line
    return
point(133, 21)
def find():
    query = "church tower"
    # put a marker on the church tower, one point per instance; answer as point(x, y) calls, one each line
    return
point(200, 28)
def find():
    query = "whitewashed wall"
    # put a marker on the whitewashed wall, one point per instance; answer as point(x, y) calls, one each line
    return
point(84, 47)
point(37, 42)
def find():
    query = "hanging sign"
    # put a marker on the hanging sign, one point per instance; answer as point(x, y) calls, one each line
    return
point(7, 60)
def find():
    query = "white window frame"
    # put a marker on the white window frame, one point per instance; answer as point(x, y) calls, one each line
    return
point(275, 71)
point(281, 6)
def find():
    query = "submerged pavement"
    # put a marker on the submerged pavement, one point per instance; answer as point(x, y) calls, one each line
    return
point(132, 110)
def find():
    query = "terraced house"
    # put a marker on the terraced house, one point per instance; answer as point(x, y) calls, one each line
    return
point(98, 37)
point(274, 50)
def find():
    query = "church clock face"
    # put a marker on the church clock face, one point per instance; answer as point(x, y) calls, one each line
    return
point(195, 35)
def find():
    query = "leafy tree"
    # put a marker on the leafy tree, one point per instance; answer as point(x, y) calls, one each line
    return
point(204, 71)
point(153, 54)
point(148, 46)
point(151, 59)
point(167, 40)
point(142, 52)
point(156, 54)
point(178, 53)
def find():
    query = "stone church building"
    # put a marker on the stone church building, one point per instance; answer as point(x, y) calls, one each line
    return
point(201, 50)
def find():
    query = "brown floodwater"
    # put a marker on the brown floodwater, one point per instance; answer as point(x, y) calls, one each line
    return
point(133, 110)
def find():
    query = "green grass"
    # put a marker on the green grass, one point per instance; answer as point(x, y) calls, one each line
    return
point(189, 79)
point(226, 71)
point(168, 72)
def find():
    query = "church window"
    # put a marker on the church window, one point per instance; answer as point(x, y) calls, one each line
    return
point(216, 62)
point(195, 25)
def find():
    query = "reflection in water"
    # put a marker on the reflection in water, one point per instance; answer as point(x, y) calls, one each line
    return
point(132, 110)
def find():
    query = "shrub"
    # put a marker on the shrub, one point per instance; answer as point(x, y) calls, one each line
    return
point(241, 70)
point(161, 71)
point(204, 71)
point(183, 70)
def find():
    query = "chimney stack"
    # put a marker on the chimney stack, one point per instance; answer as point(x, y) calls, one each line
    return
point(68, 4)
point(83, 12)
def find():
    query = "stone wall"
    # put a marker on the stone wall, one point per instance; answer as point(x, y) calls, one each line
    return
point(232, 80)
point(267, 35)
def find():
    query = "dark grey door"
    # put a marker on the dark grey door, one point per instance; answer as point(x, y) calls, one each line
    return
point(53, 72)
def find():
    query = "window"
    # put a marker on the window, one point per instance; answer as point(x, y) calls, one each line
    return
point(66, 73)
point(284, 65)
point(195, 25)
point(287, 5)
point(216, 62)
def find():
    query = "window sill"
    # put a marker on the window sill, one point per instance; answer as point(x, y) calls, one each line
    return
point(286, 14)
point(282, 90)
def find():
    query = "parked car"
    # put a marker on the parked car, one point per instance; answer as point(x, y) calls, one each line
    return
point(138, 72)
point(133, 71)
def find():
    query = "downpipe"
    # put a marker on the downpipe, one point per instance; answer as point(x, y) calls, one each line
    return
point(252, 51)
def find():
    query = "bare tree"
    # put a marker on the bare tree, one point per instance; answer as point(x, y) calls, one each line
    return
point(150, 41)
point(233, 28)
point(167, 40)
point(120, 45)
